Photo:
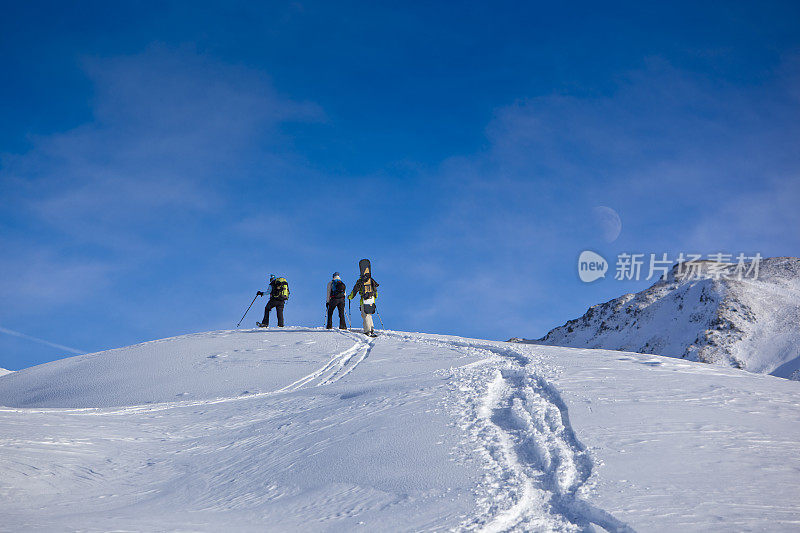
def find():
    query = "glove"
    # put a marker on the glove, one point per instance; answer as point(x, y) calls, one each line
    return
point(259, 293)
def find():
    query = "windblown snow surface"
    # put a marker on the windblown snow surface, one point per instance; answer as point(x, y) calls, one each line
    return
point(752, 324)
point(314, 430)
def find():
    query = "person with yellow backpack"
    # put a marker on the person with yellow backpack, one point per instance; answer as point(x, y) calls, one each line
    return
point(279, 293)
point(367, 287)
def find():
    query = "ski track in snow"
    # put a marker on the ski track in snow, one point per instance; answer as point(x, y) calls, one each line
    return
point(537, 468)
point(338, 367)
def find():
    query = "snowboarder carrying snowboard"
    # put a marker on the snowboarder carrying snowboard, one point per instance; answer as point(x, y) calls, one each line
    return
point(368, 289)
point(335, 300)
point(279, 293)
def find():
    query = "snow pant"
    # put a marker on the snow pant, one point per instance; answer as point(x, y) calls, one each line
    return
point(278, 305)
point(336, 303)
point(367, 318)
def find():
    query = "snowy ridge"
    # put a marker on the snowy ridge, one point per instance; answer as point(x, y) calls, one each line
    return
point(336, 368)
point(3, 371)
point(217, 370)
point(752, 324)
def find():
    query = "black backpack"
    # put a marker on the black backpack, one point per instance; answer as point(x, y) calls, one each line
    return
point(337, 288)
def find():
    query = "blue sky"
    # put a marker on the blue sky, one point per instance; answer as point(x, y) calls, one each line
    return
point(158, 160)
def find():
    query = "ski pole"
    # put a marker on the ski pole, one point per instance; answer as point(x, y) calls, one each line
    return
point(248, 309)
point(348, 314)
point(379, 317)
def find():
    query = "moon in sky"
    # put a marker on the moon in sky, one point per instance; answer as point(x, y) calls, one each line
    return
point(608, 221)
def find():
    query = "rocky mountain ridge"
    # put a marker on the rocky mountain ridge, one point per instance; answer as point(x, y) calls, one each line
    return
point(751, 323)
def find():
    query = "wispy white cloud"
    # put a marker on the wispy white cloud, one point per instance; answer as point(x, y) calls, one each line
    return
point(162, 179)
point(168, 127)
point(766, 221)
point(688, 162)
point(173, 132)
point(39, 277)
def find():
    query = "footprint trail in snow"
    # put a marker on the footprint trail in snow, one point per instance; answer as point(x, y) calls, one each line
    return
point(536, 466)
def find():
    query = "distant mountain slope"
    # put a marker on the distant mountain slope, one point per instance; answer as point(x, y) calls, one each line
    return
point(3, 371)
point(752, 324)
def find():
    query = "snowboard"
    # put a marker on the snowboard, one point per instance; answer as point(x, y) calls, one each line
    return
point(364, 266)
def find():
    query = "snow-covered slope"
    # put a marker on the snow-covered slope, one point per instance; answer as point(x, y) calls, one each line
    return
point(3, 371)
point(753, 324)
point(201, 366)
point(315, 430)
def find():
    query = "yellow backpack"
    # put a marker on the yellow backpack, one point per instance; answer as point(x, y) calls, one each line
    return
point(280, 289)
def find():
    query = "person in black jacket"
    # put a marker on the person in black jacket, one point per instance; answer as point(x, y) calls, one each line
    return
point(279, 293)
point(334, 299)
